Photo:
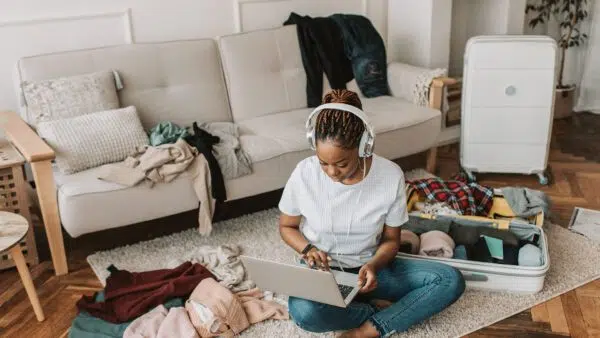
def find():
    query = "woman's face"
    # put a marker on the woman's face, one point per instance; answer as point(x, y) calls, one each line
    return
point(338, 163)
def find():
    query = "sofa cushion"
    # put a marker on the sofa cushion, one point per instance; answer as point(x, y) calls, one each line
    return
point(269, 136)
point(264, 72)
point(90, 140)
point(178, 81)
point(71, 96)
point(87, 204)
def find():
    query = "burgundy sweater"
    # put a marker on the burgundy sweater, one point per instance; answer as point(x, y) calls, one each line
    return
point(128, 295)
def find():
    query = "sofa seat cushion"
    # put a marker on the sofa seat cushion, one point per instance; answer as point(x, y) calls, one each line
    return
point(269, 136)
point(87, 204)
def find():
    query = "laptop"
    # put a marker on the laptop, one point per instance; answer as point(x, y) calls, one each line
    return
point(332, 287)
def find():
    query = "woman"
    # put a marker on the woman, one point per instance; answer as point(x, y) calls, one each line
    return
point(353, 208)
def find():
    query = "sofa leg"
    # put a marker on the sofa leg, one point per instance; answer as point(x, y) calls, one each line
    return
point(46, 192)
point(431, 160)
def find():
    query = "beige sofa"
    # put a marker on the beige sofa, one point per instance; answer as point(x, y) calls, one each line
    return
point(254, 79)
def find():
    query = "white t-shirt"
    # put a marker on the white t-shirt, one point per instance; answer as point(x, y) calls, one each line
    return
point(346, 221)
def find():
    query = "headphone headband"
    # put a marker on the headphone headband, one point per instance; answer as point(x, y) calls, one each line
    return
point(345, 107)
point(367, 139)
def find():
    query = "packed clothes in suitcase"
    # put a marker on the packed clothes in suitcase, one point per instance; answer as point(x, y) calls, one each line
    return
point(476, 230)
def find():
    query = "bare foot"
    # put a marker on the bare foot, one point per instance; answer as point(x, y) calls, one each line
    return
point(366, 330)
point(381, 304)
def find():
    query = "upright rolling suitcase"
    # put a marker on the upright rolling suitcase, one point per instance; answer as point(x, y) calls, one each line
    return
point(507, 104)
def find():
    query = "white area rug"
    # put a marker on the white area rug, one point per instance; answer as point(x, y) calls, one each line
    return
point(574, 259)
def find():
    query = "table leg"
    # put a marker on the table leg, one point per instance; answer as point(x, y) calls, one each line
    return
point(19, 260)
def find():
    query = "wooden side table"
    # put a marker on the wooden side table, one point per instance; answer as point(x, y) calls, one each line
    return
point(13, 198)
point(13, 228)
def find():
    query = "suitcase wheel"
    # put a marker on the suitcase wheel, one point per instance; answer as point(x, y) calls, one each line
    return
point(543, 179)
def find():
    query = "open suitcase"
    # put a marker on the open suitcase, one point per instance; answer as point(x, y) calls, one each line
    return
point(494, 276)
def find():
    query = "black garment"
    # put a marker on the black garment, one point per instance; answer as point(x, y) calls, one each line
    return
point(480, 252)
point(322, 49)
point(203, 141)
point(469, 235)
point(365, 49)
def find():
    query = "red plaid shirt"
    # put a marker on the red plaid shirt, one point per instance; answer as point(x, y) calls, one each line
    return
point(468, 198)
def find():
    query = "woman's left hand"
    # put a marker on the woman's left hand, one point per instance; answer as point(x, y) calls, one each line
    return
point(367, 277)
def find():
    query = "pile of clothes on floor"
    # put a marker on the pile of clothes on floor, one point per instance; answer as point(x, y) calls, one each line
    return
point(450, 236)
point(203, 297)
point(175, 150)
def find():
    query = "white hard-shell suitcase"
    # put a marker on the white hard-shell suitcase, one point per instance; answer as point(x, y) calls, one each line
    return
point(507, 104)
point(494, 276)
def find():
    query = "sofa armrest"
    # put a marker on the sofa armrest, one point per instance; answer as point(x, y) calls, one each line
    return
point(40, 156)
point(412, 83)
point(25, 139)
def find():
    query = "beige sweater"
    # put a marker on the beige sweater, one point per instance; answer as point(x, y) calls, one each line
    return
point(230, 313)
point(162, 164)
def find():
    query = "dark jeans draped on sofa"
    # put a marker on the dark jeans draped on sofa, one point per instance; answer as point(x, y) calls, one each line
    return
point(343, 46)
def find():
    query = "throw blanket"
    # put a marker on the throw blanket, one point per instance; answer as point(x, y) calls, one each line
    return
point(413, 83)
point(223, 261)
point(466, 198)
point(365, 49)
point(128, 295)
point(322, 50)
point(163, 164)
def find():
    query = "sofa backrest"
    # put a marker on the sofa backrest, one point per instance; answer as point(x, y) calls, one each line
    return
point(178, 81)
point(264, 72)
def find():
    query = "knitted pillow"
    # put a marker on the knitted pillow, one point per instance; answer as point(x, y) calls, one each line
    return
point(64, 97)
point(90, 140)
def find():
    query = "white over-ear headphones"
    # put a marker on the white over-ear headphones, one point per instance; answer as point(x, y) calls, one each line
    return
point(365, 147)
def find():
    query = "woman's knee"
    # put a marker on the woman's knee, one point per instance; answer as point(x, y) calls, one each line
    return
point(306, 313)
point(453, 280)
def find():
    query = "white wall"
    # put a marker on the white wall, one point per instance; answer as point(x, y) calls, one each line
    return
point(429, 33)
point(29, 27)
point(419, 32)
point(482, 17)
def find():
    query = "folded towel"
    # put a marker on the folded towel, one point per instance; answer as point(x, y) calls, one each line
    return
point(410, 238)
point(530, 255)
point(436, 243)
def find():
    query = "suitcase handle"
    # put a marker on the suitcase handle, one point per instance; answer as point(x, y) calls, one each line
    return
point(501, 224)
point(475, 277)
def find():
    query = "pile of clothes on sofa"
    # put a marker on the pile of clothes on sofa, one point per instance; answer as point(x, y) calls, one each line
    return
point(174, 150)
point(204, 296)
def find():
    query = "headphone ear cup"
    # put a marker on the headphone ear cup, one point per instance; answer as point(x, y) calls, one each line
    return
point(310, 137)
point(362, 146)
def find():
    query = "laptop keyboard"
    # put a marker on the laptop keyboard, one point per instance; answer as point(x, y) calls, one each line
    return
point(345, 290)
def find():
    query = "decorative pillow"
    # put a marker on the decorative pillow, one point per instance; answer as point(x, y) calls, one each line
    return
point(94, 139)
point(65, 97)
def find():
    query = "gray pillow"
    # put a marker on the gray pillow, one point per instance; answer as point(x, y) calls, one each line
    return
point(64, 97)
point(94, 139)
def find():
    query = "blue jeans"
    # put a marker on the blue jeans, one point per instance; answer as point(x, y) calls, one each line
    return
point(418, 290)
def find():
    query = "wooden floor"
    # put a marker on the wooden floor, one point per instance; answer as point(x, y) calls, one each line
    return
point(575, 182)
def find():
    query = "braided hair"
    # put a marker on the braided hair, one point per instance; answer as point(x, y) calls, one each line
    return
point(340, 126)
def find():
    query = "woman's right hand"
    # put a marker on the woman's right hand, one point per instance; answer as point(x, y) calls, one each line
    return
point(317, 258)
